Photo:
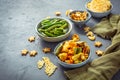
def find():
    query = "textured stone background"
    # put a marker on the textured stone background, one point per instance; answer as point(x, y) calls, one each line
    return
point(18, 18)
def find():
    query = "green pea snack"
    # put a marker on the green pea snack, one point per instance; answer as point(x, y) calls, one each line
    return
point(53, 27)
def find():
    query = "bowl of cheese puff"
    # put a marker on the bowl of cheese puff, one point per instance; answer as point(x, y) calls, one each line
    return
point(99, 8)
point(72, 53)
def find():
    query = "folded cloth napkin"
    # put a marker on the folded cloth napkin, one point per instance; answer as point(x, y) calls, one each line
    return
point(104, 67)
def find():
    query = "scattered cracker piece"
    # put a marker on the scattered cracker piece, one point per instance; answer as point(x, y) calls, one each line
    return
point(57, 13)
point(49, 66)
point(92, 38)
point(68, 11)
point(99, 52)
point(24, 52)
point(40, 64)
point(75, 37)
point(46, 50)
point(33, 53)
point(90, 33)
point(98, 44)
point(87, 29)
point(31, 39)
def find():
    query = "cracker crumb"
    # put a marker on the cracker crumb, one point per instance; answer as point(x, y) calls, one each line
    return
point(40, 64)
point(57, 13)
point(46, 50)
point(91, 36)
point(87, 29)
point(24, 52)
point(31, 39)
point(98, 44)
point(99, 52)
point(49, 66)
point(33, 53)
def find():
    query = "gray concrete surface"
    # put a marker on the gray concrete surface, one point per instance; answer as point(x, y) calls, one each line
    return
point(18, 19)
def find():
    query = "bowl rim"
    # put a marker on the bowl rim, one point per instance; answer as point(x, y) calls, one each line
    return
point(72, 64)
point(89, 15)
point(98, 12)
point(69, 28)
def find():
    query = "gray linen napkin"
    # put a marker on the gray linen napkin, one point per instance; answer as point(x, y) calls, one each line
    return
point(102, 68)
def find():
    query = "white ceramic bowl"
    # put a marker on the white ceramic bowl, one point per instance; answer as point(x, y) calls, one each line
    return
point(58, 38)
point(66, 65)
point(80, 23)
point(99, 14)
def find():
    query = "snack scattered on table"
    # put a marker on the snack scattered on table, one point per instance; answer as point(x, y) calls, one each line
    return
point(40, 64)
point(99, 52)
point(90, 33)
point(68, 11)
point(98, 44)
point(33, 53)
point(79, 16)
point(75, 37)
point(87, 29)
point(99, 5)
point(31, 39)
point(57, 13)
point(92, 38)
point(24, 52)
point(49, 66)
point(46, 50)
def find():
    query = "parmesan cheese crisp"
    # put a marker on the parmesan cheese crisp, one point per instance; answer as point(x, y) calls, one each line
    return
point(49, 66)
point(99, 5)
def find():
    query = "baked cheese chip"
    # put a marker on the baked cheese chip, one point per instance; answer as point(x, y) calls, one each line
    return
point(49, 66)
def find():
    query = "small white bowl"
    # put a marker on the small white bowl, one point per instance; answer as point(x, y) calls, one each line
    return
point(79, 23)
point(58, 38)
point(99, 14)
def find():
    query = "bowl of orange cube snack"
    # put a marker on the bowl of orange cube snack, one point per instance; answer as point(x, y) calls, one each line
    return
point(79, 17)
point(72, 53)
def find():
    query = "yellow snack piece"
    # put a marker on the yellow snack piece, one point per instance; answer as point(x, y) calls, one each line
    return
point(31, 39)
point(98, 44)
point(40, 64)
point(62, 56)
point(68, 11)
point(87, 29)
point(33, 53)
point(90, 33)
point(92, 38)
point(75, 37)
point(24, 52)
point(49, 66)
point(57, 13)
point(46, 50)
point(99, 52)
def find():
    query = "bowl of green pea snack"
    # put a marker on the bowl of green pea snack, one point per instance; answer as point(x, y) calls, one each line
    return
point(54, 29)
